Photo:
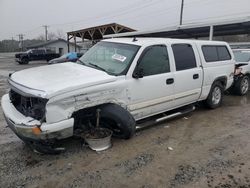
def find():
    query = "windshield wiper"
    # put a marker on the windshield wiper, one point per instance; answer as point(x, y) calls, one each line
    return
point(97, 66)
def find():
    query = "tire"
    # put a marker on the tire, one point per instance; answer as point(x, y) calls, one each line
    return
point(43, 148)
point(215, 96)
point(120, 121)
point(241, 85)
point(24, 61)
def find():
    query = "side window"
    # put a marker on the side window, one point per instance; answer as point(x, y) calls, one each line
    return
point(210, 53)
point(155, 60)
point(215, 53)
point(34, 51)
point(223, 53)
point(38, 52)
point(184, 56)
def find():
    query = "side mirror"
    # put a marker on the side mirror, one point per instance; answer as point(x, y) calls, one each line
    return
point(138, 73)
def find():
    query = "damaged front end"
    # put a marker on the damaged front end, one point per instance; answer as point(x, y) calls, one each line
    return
point(29, 106)
point(26, 116)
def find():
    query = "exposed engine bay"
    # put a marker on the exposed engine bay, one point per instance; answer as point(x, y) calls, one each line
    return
point(29, 106)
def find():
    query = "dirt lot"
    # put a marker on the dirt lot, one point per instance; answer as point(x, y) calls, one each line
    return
point(211, 148)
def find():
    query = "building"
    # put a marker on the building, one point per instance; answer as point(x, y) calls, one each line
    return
point(59, 46)
point(219, 27)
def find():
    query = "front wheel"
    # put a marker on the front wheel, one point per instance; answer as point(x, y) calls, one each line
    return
point(43, 148)
point(241, 86)
point(24, 61)
point(215, 96)
point(118, 120)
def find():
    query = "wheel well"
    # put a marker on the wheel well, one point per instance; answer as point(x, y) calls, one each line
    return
point(83, 116)
point(248, 74)
point(222, 81)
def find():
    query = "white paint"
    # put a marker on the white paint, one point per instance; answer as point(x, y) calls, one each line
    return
point(71, 87)
point(60, 78)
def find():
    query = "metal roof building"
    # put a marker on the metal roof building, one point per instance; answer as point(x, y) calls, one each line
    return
point(196, 30)
point(97, 33)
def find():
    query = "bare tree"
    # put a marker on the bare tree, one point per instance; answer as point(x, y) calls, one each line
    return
point(52, 36)
point(40, 37)
point(60, 34)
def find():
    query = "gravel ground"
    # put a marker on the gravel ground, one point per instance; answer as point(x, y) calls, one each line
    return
point(211, 148)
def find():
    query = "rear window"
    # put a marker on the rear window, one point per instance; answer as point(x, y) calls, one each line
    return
point(215, 53)
point(184, 57)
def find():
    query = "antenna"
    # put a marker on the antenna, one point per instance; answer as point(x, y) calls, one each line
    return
point(134, 39)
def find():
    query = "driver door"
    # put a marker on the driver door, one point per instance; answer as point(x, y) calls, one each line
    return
point(151, 92)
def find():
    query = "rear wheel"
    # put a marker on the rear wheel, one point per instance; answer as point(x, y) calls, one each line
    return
point(215, 96)
point(241, 86)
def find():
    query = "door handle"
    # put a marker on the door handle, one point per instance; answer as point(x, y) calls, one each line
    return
point(195, 76)
point(169, 81)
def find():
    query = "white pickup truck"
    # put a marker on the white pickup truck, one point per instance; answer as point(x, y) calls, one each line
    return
point(242, 71)
point(128, 79)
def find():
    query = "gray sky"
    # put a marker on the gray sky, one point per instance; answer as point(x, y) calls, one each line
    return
point(28, 16)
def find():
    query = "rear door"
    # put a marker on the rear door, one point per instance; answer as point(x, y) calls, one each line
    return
point(188, 74)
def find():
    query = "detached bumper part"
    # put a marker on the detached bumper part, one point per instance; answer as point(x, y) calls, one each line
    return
point(28, 129)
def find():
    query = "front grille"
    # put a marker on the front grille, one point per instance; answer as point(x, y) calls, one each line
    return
point(29, 106)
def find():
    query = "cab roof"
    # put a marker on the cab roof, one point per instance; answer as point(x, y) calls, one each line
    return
point(149, 41)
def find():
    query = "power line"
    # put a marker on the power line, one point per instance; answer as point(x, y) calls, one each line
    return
point(112, 15)
point(138, 5)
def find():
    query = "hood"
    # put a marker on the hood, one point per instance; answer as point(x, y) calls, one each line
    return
point(241, 64)
point(59, 78)
point(19, 54)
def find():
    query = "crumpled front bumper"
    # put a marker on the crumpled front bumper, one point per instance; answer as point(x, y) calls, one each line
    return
point(29, 129)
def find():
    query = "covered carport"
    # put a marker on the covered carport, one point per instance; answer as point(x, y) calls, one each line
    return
point(196, 30)
point(95, 34)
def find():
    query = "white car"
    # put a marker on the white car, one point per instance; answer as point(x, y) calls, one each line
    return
point(128, 79)
point(242, 71)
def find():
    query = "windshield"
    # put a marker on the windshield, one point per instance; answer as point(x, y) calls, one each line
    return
point(113, 58)
point(241, 56)
point(28, 51)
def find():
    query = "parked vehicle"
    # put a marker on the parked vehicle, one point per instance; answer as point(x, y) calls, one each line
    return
point(242, 71)
point(35, 55)
point(69, 57)
point(127, 79)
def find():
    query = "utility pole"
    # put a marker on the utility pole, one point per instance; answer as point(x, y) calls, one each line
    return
point(12, 44)
point(46, 32)
point(181, 14)
point(20, 39)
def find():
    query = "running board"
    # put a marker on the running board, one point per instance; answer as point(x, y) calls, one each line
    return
point(150, 123)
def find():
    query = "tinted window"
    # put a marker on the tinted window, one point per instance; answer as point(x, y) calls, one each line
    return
point(154, 60)
point(40, 51)
point(210, 53)
point(184, 56)
point(216, 53)
point(223, 53)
